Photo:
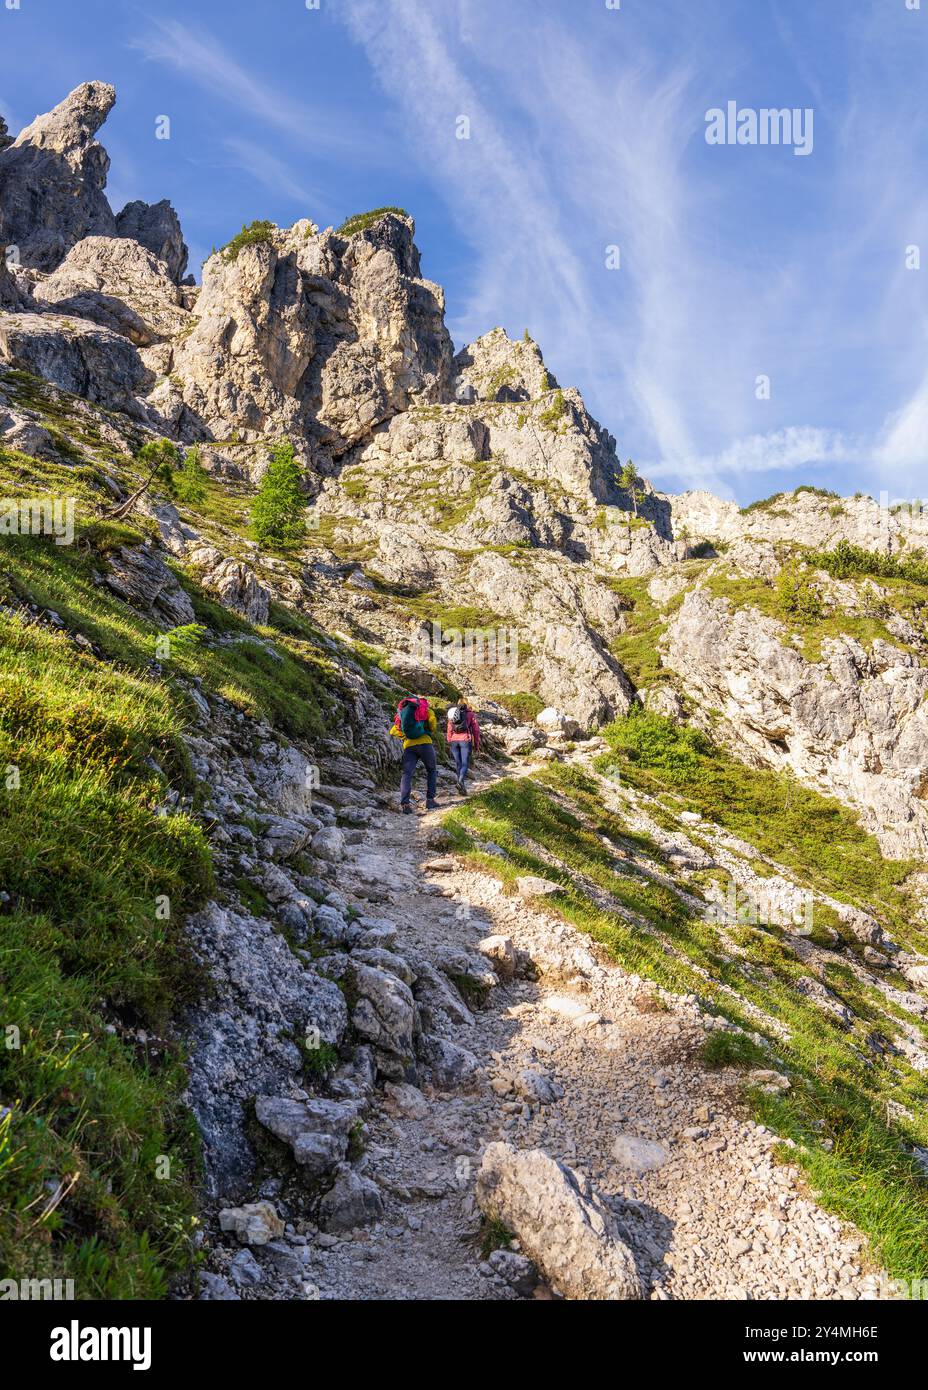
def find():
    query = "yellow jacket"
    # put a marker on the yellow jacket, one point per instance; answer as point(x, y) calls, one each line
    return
point(414, 742)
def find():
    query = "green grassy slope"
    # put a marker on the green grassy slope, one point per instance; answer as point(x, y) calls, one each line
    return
point(100, 863)
point(555, 824)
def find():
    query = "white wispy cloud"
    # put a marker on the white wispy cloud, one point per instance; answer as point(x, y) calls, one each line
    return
point(569, 154)
point(586, 130)
point(202, 58)
point(585, 133)
point(272, 172)
point(501, 192)
point(780, 451)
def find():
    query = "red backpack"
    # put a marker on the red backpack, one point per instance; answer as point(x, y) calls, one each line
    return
point(412, 716)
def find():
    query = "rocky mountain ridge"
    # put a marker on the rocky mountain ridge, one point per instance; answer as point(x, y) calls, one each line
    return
point(684, 683)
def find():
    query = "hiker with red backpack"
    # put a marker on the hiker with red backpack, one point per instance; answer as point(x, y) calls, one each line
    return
point(463, 739)
point(415, 724)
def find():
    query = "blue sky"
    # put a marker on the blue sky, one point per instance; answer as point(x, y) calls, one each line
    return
point(587, 131)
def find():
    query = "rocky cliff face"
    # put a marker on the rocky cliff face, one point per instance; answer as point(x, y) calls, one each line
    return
point(496, 369)
point(11, 296)
point(156, 226)
point(854, 723)
point(446, 475)
point(118, 284)
point(809, 514)
point(315, 335)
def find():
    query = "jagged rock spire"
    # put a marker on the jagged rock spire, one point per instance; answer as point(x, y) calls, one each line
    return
point(52, 179)
point(157, 227)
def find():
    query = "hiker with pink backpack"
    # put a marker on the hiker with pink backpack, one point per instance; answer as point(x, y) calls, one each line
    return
point(463, 740)
point(416, 725)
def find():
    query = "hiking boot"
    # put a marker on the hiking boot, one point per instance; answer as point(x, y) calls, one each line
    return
point(405, 808)
point(431, 805)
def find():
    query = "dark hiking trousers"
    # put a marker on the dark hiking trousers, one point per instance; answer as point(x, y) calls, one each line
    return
point(461, 754)
point(424, 753)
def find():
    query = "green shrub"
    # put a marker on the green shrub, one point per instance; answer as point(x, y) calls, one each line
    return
point(494, 1235)
point(162, 458)
point(179, 639)
point(797, 593)
point(848, 561)
point(362, 220)
point(818, 492)
point(630, 481)
point(550, 418)
point(764, 504)
point(655, 742)
point(250, 235)
point(321, 1060)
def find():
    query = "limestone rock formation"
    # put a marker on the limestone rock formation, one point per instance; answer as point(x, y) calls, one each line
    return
point(530, 471)
point(235, 585)
point(563, 1226)
point(495, 368)
point(517, 503)
point(118, 284)
point(384, 1016)
point(815, 517)
point(156, 226)
point(140, 576)
point(233, 1055)
point(316, 334)
point(469, 534)
point(316, 1131)
point(351, 1201)
point(11, 296)
point(77, 356)
point(52, 178)
point(255, 1223)
point(854, 724)
point(570, 617)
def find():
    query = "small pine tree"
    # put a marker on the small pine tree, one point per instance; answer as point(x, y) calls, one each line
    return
point(277, 515)
point(630, 482)
point(190, 482)
point(798, 595)
point(161, 458)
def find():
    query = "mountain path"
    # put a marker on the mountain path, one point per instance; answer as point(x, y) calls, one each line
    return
point(717, 1217)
